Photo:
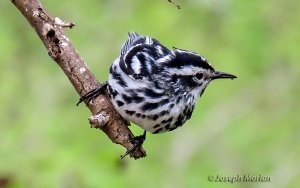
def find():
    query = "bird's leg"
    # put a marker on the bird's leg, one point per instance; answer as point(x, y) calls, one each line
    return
point(93, 93)
point(137, 142)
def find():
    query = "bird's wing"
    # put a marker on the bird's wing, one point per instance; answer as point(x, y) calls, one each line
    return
point(140, 56)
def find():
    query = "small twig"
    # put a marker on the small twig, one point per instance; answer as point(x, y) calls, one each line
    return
point(61, 23)
point(57, 21)
point(178, 6)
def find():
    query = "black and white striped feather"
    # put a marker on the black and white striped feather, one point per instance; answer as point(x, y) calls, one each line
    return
point(139, 55)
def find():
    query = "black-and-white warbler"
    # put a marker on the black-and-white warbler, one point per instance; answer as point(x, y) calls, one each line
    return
point(154, 87)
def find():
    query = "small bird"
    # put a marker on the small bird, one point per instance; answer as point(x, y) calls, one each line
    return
point(154, 87)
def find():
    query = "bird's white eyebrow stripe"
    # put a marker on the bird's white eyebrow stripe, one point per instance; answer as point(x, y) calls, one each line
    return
point(188, 70)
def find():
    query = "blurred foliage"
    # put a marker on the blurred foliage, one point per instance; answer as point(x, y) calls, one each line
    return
point(246, 126)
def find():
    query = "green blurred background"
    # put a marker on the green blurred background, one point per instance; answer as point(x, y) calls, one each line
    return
point(246, 126)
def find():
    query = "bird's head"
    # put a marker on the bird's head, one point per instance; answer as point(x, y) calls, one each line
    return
point(192, 71)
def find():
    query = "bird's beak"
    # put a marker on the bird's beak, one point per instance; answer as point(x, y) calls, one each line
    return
point(218, 74)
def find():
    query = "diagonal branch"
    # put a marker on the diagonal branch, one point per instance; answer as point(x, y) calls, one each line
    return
point(60, 49)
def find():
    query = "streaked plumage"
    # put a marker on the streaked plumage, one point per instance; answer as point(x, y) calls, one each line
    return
point(157, 88)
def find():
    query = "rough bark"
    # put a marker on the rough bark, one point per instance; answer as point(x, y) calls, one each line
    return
point(60, 49)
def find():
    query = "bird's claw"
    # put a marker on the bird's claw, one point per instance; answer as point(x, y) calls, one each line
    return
point(137, 142)
point(93, 93)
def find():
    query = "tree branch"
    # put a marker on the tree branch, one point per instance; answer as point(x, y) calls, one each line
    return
point(60, 49)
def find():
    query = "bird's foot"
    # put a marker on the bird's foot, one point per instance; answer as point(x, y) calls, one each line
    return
point(137, 142)
point(93, 93)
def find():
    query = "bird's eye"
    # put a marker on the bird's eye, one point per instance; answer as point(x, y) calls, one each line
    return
point(199, 76)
